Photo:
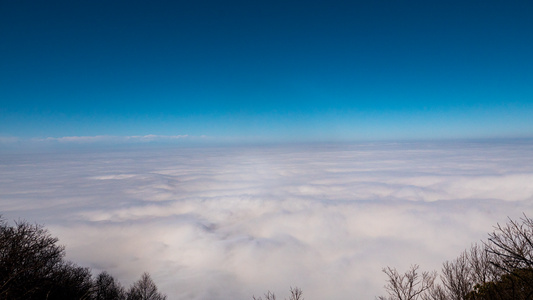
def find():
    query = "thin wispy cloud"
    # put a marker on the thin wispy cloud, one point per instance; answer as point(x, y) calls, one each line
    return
point(8, 139)
point(229, 222)
point(110, 138)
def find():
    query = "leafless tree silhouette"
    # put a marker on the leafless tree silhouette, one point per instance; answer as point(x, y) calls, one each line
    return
point(145, 289)
point(268, 296)
point(408, 286)
point(107, 288)
point(499, 269)
point(296, 294)
point(29, 259)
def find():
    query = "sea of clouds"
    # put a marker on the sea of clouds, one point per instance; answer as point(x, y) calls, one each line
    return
point(232, 222)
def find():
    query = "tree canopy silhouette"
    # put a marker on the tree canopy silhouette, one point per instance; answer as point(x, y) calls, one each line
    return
point(32, 266)
point(501, 268)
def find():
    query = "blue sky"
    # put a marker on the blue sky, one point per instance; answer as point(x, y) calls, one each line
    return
point(275, 70)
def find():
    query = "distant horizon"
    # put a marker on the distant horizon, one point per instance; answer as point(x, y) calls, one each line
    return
point(151, 140)
point(148, 138)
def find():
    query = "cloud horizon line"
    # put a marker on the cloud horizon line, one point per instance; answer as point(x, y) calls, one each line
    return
point(104, 139)
point(88, 139)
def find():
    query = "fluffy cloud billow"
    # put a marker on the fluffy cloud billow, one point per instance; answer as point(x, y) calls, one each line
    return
point(230, 222)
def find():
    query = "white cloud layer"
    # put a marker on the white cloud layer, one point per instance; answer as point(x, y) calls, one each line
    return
point(228, 222)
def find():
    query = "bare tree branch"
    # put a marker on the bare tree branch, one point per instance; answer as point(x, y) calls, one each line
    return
point(407, 286)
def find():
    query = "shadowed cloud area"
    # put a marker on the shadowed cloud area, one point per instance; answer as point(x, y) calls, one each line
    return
point(230, 222)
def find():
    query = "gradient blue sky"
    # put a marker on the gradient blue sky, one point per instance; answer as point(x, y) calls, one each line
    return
point(275, 70)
